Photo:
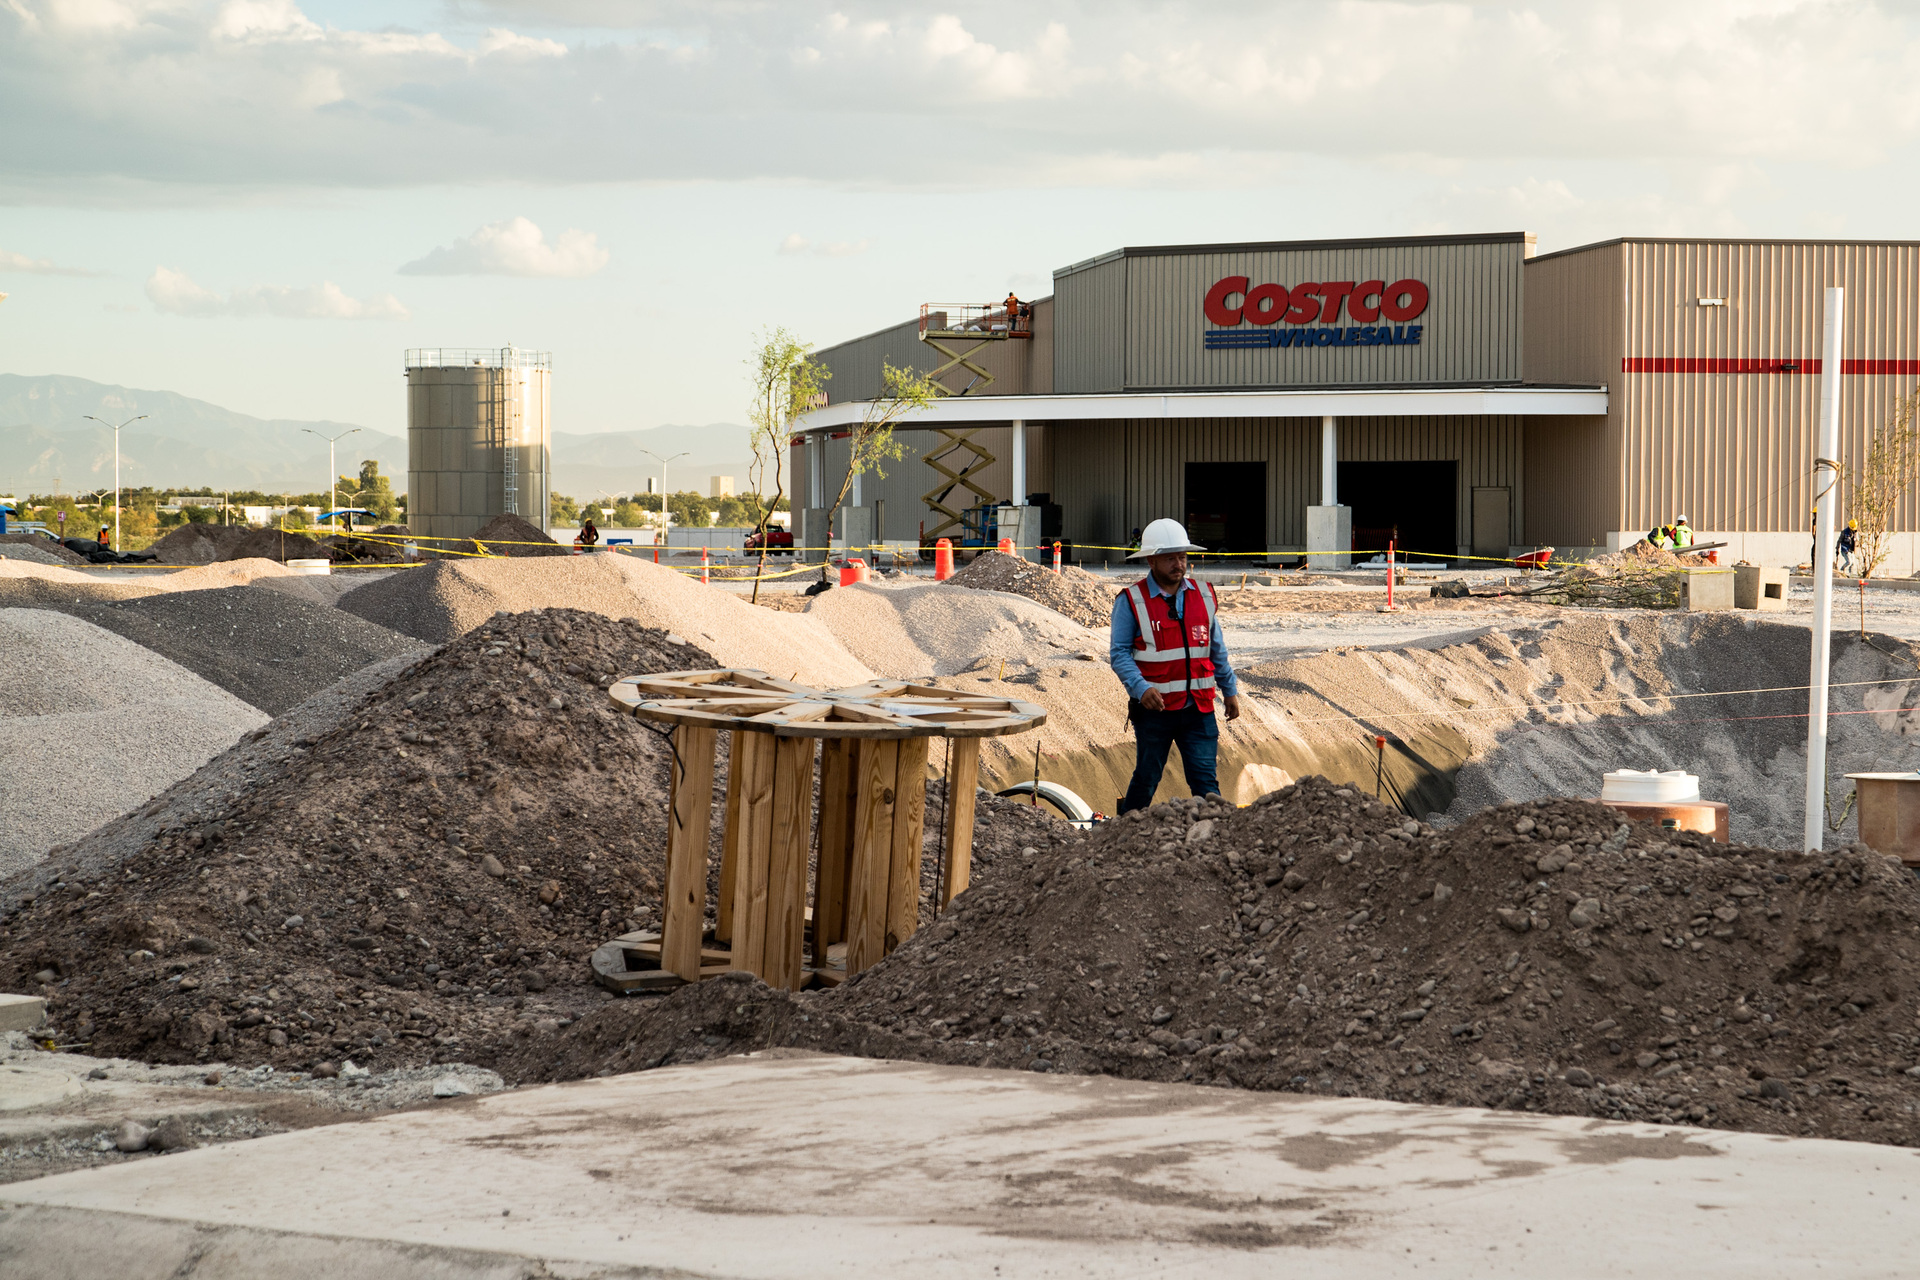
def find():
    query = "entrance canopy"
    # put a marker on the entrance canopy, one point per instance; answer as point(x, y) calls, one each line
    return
point(1138, 405)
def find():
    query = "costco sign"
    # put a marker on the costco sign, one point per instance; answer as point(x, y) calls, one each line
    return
point(1278, 314)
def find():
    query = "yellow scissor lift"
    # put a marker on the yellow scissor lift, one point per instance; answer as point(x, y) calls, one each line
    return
point(978, 325)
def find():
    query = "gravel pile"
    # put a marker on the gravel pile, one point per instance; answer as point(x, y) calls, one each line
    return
point(504, 535)
point(94, 725)
point(27, 553)
point(448, 598)
point(265, 647)
point(59, 551)
point(398, 889)
point(197, 543)
point(927, 628)
point(1084, 597)
point(1544, 957)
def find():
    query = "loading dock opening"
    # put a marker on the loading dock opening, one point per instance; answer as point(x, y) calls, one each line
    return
point(1226, 505)
point(1413, 503)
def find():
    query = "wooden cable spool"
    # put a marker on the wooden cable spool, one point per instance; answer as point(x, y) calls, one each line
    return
point(872, 762)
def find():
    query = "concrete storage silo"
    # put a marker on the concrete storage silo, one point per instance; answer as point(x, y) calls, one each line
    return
point(477, 438)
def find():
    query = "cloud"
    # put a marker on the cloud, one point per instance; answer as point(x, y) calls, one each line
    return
point(514, 248)
point(797, 243)
point(883, 93)
point(175, 293)
point(38, 266)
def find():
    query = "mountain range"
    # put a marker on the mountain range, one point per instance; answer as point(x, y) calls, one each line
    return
point(47, 443)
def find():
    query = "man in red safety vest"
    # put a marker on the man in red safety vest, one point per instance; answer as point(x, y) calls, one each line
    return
point(1167, 650)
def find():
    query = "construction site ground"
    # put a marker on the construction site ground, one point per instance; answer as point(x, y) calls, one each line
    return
point(374, 823)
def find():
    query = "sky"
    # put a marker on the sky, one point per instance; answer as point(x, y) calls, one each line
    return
point(264, 203)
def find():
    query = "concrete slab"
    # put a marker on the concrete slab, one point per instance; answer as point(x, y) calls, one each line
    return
point(21, 1013)
point(800, 1165)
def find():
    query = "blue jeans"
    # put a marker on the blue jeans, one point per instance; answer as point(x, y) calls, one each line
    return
point(1154, 733)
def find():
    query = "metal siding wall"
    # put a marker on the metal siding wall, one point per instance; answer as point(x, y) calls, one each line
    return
point(1488, 451)
point(908, 477)
point(1471, 328)
point(1734, 451)
point(1089, 349)
point(1019, 367)
point(1575, 333)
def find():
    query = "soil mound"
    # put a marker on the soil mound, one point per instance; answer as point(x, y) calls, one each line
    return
point(93, 726)
point(445, 599)
point(1084, 597)
point(277, 544)
point(58, 551)
point(924, 628)
point(384, 545)
point(265, 647)
point(199, 543)
point(391, 889)
point(504, 535)
point(1541, 957)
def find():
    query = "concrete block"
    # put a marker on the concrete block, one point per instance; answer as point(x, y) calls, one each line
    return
point(1706, 589)
point(21, 1013)
point(1329, 537)
point(855, 527)
point(1759, 587)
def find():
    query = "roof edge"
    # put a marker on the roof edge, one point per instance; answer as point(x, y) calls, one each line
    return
point(1279, 246)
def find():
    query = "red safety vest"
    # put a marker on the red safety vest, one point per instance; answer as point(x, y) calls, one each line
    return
point(1175, 656)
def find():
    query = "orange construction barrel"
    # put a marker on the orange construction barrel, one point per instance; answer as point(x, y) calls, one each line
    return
point(942, 559)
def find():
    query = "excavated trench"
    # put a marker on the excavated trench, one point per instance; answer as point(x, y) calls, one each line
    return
point(1524, 712)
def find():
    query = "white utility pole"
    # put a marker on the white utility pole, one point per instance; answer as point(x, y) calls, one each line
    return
point(116, 470)
point(1826, 509)
point(663, 483)
point(333, 471)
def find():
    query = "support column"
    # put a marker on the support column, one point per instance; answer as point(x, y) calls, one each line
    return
point(1019, 495)
point(1329, 461)
point(1329, 525)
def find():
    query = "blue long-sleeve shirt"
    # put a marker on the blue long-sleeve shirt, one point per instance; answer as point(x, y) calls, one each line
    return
point(1126, 630)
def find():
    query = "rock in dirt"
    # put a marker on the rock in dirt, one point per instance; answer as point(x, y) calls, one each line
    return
point(131, 1136)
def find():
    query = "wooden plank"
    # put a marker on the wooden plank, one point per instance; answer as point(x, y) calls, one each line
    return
point(963, 775)
point(756, 842)
point(877, 770)
point(787, 864)
point(909, 821)
point(689, 807)
point(729, 841)
point(836, 844)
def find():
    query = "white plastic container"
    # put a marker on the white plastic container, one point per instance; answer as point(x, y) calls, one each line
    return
point(314, 568)
point(1634, 786)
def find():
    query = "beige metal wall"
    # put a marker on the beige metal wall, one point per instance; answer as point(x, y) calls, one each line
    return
point(1731, 450)
point(456, 469)
point(1137, 321)
point(1113, 477)
point(1019, 366)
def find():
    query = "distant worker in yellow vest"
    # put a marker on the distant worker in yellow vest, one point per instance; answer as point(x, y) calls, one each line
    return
point(1682, 533)
point(1167, 649)
point(1661, 537)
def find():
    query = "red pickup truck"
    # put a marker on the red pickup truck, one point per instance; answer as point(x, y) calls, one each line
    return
point(777, 541)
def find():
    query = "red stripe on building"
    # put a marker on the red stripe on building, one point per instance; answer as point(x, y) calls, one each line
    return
point(1702, 364)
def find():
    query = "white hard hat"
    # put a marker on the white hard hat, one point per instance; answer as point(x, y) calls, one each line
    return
point(1679, 519)
point(1164, 537)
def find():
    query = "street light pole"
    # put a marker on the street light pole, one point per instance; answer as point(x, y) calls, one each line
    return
point(333, 471)
point(116, 470)
point(663, 483)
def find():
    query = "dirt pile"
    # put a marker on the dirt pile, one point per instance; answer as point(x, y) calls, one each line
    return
point(1085, 597)
point(391, 890)
point(504, 535)
point(277, 544)
point(1540, 957)
point(198, 543)
point(265, 647)
point(449, 597)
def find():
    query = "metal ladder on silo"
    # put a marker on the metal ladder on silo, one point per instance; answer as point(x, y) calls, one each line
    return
point(508, 404)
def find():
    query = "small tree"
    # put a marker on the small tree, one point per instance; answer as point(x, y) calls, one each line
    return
point(785, 383)
point(1893, 451)
point(871, 442)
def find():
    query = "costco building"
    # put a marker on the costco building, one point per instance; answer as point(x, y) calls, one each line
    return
point(1459, 394)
